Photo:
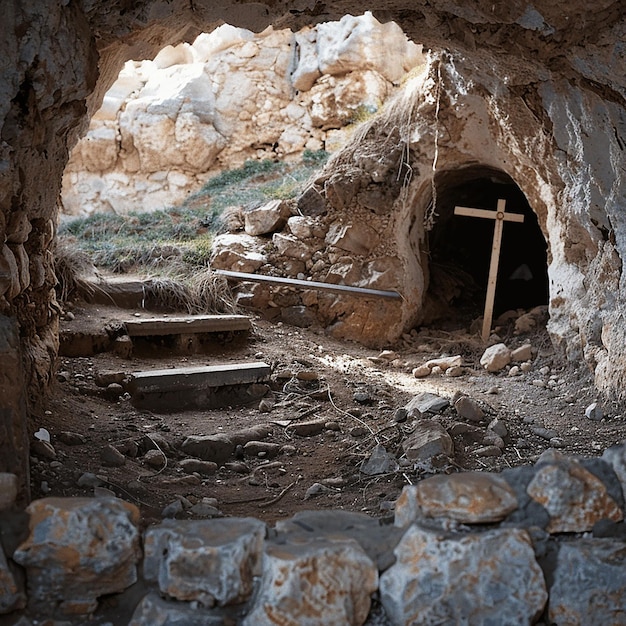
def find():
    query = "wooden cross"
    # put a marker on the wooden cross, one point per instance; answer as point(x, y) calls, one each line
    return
point(500, 216)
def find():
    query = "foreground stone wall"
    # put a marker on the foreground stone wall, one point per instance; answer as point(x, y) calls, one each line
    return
point(543, 544)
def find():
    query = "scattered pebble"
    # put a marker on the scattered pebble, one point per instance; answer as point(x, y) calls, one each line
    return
point(488, 451)
point(544, 433)
point(594, 412)
point(172, 509)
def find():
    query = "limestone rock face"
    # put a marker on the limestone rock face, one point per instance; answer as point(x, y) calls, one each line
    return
point(231, 95)
point(429, 568)
point(79, 549)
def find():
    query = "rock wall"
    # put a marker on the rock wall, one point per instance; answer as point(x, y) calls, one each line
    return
point(167, 125)
point(560, 143)
point(541, 544)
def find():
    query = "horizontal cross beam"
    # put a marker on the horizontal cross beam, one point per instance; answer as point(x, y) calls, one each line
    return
point(494, 215)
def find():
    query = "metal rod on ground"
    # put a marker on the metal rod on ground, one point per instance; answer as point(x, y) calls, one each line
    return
point(308, 284)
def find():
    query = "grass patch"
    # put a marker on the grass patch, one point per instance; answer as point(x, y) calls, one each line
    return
point(178, 240)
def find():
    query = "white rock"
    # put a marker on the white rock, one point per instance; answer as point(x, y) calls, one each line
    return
point(237, 252)
point(523, 353)
point(355, 42)
point(496, 357)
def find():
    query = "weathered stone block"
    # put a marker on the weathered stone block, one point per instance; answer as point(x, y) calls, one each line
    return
point(209, 561)
point(589, 584)
point(469, 497)
point(79, 549)
point(488, 578)
point(322, 581)
point(358, 238)
point(574, 498)
point(290, 246)
point(241, 253)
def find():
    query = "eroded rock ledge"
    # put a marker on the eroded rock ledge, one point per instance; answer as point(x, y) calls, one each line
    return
point(540, 544)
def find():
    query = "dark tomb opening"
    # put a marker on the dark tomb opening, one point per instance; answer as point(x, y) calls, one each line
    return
point(459, 247)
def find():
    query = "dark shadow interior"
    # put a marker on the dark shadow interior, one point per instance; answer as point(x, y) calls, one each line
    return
point(460, 246)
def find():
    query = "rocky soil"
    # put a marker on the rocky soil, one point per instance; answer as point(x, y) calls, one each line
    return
point(337, 429)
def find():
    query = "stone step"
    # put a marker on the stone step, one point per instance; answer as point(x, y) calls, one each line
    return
point(186, 324)
point(204, 387)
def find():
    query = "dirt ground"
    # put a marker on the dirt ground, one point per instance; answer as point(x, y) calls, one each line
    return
point(354, 390)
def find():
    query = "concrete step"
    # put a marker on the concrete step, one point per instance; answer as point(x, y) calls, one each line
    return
point(207, 387)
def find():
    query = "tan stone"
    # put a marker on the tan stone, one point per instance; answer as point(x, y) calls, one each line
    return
point(496, 357)
point(523, 353)
point(265, 219)
point(355, 237)
point(468, 497)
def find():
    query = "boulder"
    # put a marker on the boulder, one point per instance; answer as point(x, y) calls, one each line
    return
point(313, 582)
point(266, 219)
point(427, 440)
point(468, 497)
point(574, 498)
point(77, 550)
point(207, 561)
point(429, 582)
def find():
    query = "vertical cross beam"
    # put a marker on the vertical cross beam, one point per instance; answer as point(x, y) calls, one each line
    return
point(500, 216)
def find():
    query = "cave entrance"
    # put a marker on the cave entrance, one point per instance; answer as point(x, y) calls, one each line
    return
point(460, 247)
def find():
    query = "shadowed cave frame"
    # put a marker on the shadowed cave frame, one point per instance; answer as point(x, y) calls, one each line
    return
point(459, 248)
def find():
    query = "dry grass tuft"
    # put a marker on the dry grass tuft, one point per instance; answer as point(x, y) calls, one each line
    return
point(204, 292)
point(212, 293)
point(169, 294)
point(73, 269)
